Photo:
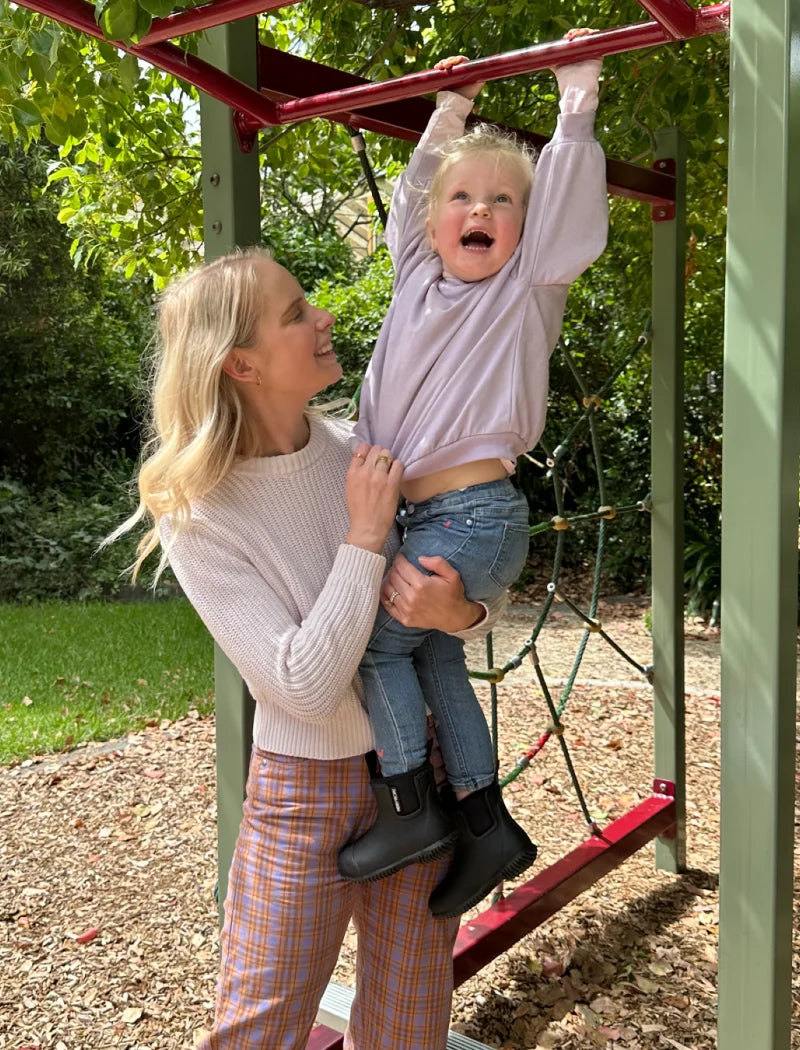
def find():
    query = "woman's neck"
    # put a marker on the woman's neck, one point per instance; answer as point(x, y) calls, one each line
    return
point(281, 432)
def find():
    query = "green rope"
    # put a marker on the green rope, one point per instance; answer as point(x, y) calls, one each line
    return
point(561, 523)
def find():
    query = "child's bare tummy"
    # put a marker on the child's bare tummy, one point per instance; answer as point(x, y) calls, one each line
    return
point(459, 477)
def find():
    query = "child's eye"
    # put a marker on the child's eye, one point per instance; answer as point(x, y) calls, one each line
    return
point(503, 198)
point(460, 195)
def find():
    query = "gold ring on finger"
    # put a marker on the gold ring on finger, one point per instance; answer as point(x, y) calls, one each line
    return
point(384, 459)
point(392, 596)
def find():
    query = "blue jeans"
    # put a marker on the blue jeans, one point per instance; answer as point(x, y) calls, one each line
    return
point(482, 531)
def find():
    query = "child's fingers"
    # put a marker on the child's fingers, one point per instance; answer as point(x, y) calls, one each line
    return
point(450, 61)
point(574, 34)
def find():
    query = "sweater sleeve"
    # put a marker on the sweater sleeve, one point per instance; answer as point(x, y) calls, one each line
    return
point(306, 667)
point(566, 224)
point(405, 228)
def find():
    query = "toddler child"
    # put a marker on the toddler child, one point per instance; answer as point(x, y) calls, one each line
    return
point(484, 249)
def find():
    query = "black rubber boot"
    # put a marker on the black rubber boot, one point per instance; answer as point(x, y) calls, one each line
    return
point(491, 847)
point(411, 827)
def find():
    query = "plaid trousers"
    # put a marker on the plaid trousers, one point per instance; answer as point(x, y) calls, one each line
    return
point(287, 911)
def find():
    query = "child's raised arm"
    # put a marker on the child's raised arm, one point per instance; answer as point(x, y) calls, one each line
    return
point(406, 227)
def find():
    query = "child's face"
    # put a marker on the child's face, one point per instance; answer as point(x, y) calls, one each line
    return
point(476, 221)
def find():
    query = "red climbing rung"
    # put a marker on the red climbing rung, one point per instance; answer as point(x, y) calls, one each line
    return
point(541, 56)
point(217, 13)
point(676, 16)
point(324, 1038)
point(498, 928)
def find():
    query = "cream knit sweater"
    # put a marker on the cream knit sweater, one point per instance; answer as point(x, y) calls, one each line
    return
point(265, 565)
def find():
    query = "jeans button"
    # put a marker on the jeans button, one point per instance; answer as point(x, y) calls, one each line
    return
point(469, 521)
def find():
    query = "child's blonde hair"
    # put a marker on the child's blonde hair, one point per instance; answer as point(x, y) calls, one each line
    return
point(484, 140)
point(197, 427)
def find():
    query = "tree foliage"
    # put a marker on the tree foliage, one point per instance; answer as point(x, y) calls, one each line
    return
point(70, 340)
point(127, 173)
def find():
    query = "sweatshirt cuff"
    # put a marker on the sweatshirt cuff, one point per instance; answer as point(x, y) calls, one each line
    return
point(455, 102)
point(578, 86)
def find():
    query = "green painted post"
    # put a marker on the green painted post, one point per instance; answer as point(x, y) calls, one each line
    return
point(232, 218)
point(761, 428)
point(669, 254)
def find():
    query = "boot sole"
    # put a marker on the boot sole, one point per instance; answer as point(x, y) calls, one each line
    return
point(443, 848)
point(514, 867)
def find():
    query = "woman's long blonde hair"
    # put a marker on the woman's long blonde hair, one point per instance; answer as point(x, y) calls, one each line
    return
point(197, 427)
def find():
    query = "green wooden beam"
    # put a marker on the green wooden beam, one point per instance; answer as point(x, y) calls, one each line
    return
point(669, 262)
point(761, 439)
point(232, 218)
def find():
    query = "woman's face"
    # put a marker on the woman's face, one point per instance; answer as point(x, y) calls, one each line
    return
point(294, 356)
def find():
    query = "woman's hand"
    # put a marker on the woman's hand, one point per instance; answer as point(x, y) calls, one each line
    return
point(432, 602)
point(467, 90)
point(372, 491)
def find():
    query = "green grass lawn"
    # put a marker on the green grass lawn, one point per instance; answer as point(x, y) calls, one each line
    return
point(72, 672)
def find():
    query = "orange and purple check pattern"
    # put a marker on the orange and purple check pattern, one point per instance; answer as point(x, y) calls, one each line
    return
point(287, 912)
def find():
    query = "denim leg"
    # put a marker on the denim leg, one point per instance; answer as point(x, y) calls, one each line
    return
point(394, 698)
point(482, 531)
point(460, 725)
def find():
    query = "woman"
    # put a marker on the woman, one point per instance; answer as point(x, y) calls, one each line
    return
point(279, 535)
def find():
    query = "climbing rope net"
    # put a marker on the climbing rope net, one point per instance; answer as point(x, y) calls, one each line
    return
point(555, 458)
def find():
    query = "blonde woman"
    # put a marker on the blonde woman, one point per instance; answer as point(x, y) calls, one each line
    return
point(280, 536)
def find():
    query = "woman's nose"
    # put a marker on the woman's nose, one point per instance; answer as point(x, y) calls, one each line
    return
point(325, 320)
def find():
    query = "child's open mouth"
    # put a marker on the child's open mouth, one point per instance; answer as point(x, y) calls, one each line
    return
point(477, 240)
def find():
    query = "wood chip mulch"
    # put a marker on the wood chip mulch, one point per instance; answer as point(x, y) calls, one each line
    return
point(108, 924)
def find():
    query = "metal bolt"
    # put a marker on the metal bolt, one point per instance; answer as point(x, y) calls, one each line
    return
point(214, 179)
point(216, 226)
point(662, 787)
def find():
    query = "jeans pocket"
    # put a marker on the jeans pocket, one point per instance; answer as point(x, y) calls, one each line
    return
point(511, 554)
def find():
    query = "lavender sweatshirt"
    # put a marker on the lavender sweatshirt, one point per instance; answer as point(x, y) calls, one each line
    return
point(460, 369)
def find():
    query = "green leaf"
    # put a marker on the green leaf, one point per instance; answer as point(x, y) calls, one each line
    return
point(25, 113)
point(41, 42)
point(158, 8)
point(704, 124)
point(56, 130)
point(119, 19)
point(128, 72)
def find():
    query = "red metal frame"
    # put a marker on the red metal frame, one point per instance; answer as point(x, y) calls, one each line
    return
point(406, 119)
point(499, 927)
point(388, 107)
point(676, 16)
point(527, 60)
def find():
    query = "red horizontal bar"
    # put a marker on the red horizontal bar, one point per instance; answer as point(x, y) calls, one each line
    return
point(527, 60)
point(494, 931)
point(676, 16)
point(324, 1038)
point(217, 13)
point(283, 76)
point(187, 67)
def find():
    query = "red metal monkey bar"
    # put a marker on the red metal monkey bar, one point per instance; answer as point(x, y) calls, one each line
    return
point(292, 89)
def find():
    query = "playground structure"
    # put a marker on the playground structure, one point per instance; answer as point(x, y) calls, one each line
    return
point(265, 87)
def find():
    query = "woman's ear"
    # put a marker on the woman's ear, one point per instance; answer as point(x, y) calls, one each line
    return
point(238, 367)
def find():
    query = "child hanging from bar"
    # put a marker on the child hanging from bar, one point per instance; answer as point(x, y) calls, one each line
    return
point(485, 242)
